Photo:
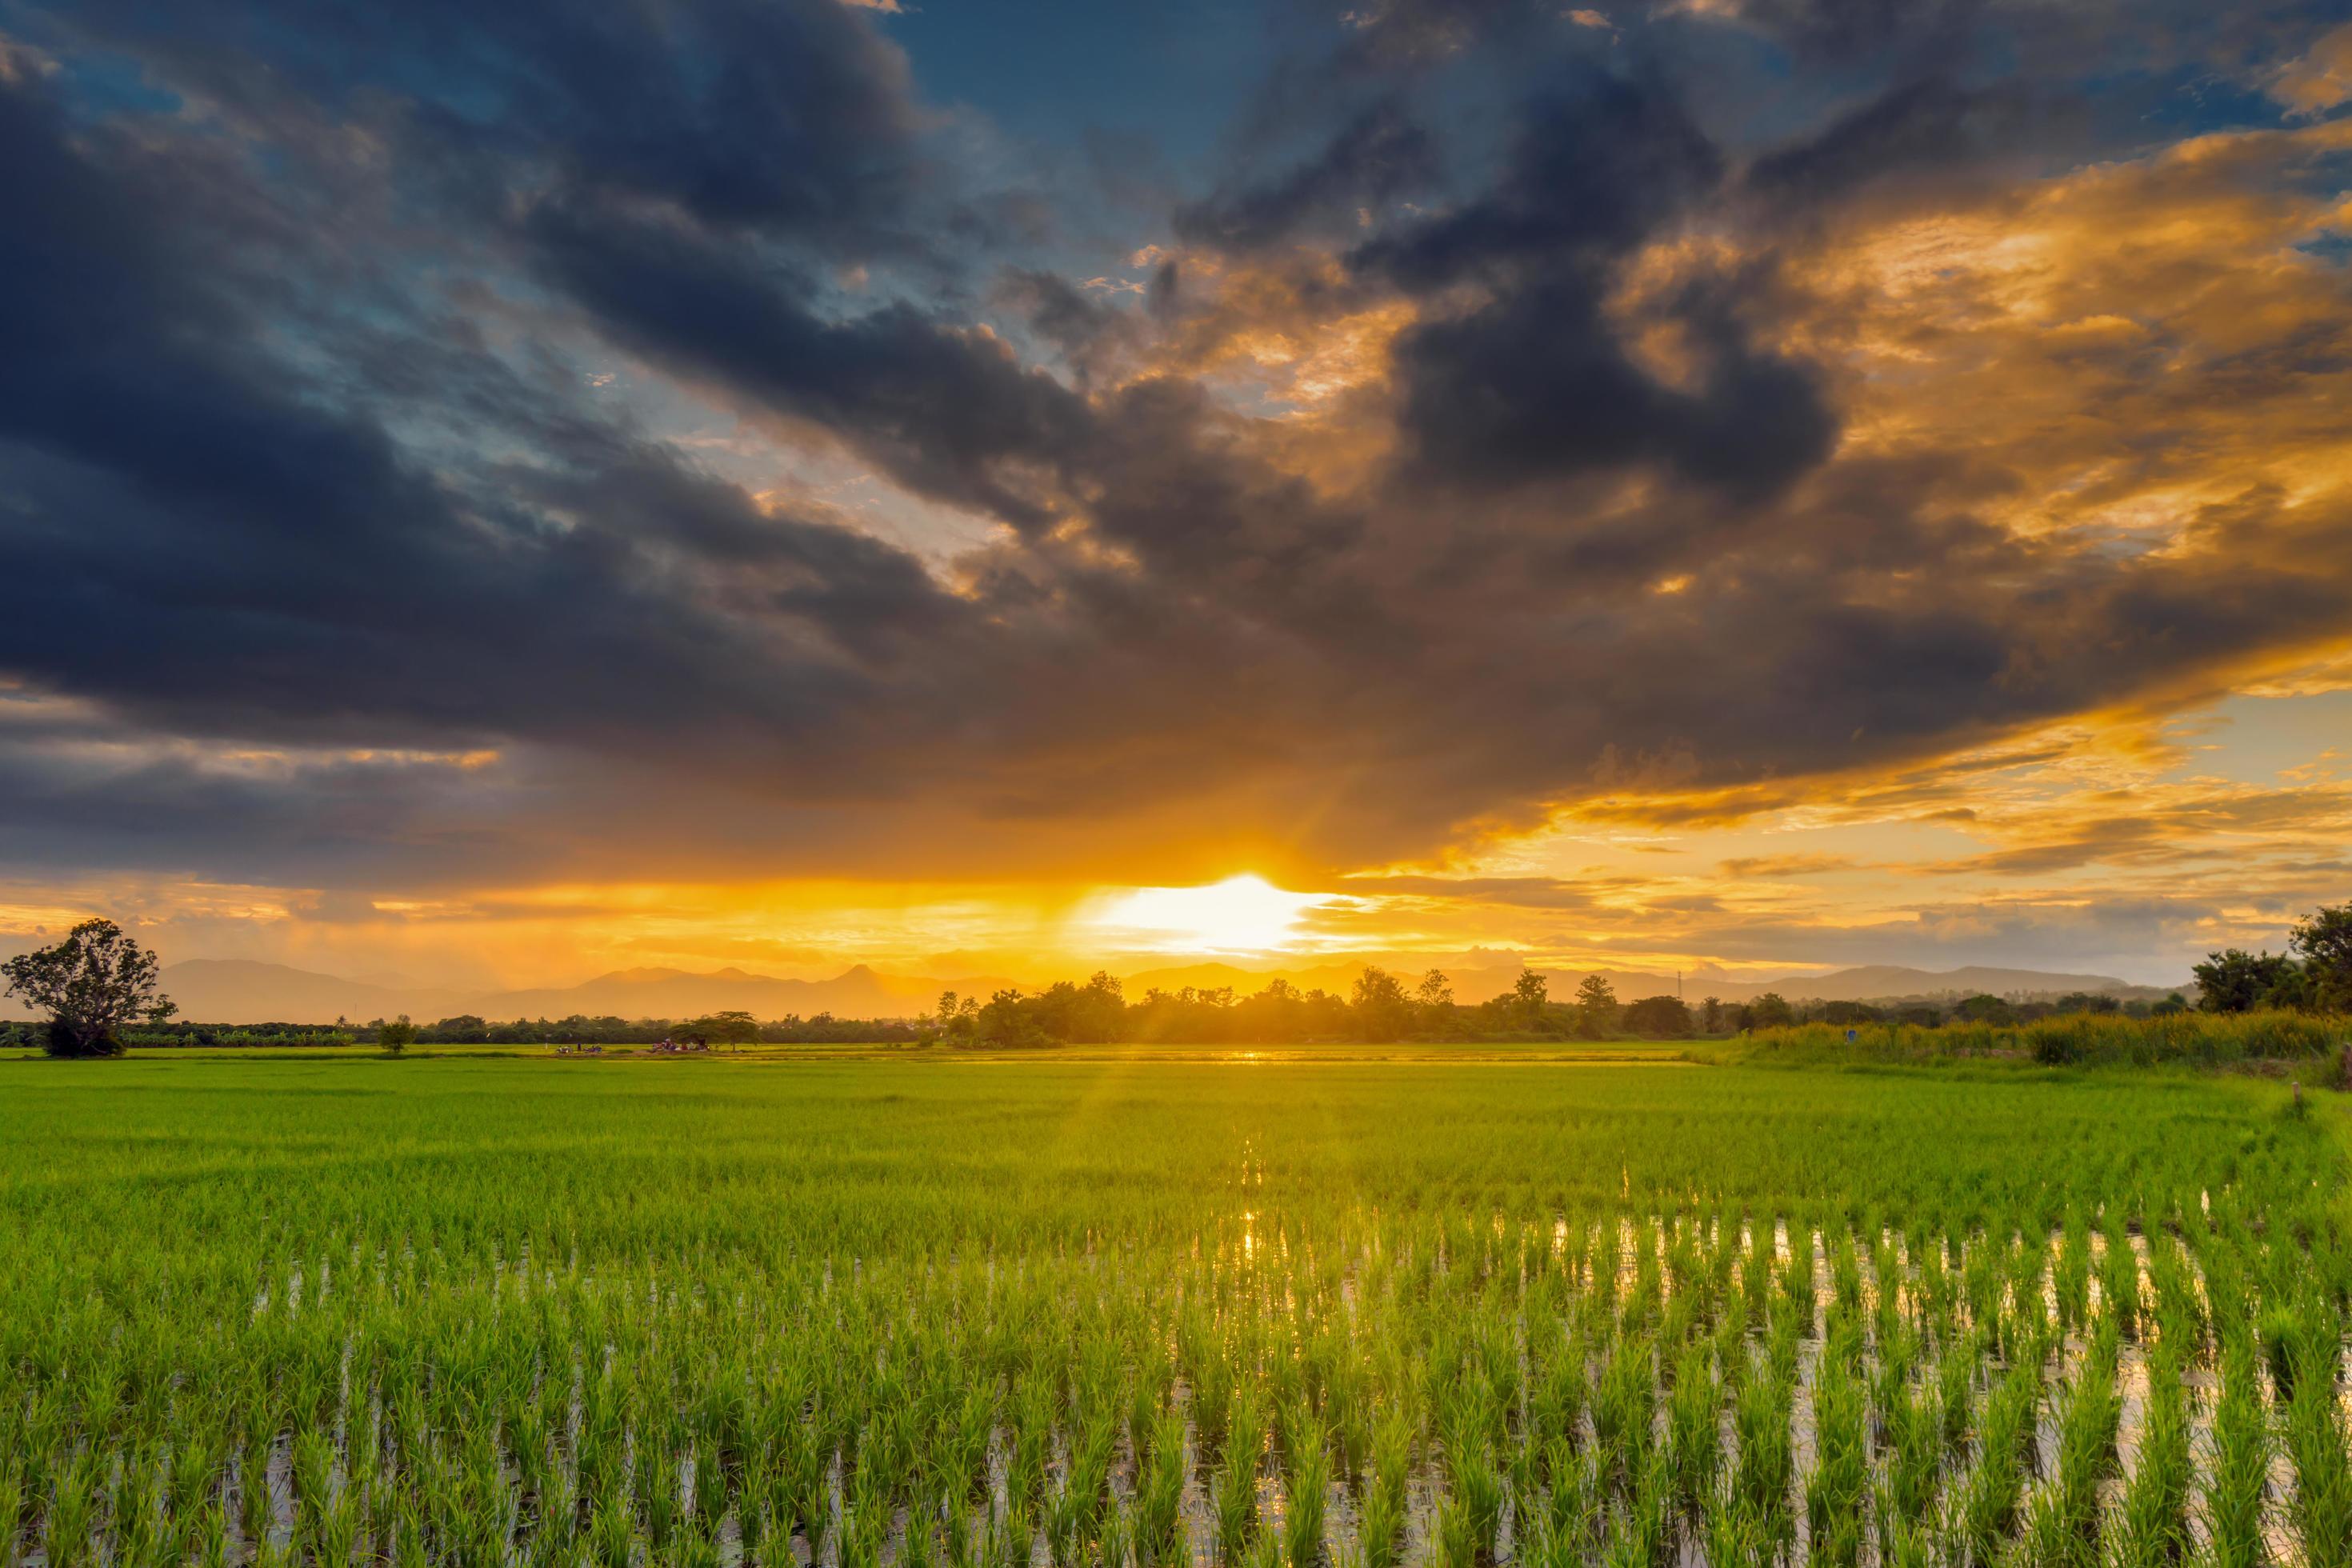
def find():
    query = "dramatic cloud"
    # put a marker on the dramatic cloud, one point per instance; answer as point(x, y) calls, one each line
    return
point(525, 442)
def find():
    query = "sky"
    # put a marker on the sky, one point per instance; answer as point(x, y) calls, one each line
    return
point(490, 494)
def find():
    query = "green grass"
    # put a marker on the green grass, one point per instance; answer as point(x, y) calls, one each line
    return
point(1350, 1305)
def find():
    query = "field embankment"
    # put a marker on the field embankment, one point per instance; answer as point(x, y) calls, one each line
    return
point(2224, 1040)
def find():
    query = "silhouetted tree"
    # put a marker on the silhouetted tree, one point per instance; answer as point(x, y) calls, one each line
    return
point(1530, 991)
point(734, 1028)
point(1381, 1011)
point(1596, 1006)
point(396, 1037)
point(91, 984)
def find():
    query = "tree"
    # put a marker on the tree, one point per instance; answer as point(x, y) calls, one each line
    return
point(947, 1011)
point(1710, 1014)
point(91, 984)
point(2086, 1001)
point(1659, 1017)
point(2236, 982)
point(1436, 991)
point(1381, 1011)
point(1007, 1020)
point(1770, 1011)
point(1983, 1008)
point(1596, 1006)
point(2324, 941)
point(396, 1037)
point(735, 1028)
point(1531, 991)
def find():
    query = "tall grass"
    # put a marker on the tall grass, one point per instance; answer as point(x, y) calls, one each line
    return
point(2099, 1039)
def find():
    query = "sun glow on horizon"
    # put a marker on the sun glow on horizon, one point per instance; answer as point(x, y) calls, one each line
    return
point(1243, 913)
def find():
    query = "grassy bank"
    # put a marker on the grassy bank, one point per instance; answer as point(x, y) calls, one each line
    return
point(2188, 1039)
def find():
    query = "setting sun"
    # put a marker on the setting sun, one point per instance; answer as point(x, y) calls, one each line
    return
point(1243, 913)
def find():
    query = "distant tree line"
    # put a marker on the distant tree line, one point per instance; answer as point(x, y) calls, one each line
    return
point(99, 987)
point(1381, 1008)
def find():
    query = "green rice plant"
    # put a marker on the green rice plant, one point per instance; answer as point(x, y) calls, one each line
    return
point(698, 1546)
point(66, 1532)
point(411, 1549)
point(2045, 1538)
point(1645, 1538)
point(2315, 1442)
point(1989, 1499)
point(710, 1492)
point(1625, 1404)
point(2152, 1528)
point(1476, 1484)
point(1381, 1525)
point(1956, 1393)
point(2072, 1275)
point(1840, 1480)
point(660, 1500)
point(335, 1533)
point(1303, 1487)
point(1459, 1541)
point(1234, 1500)
point(1160, 1494)
point(256, 1511)
point(1693, 1446)
point(2237, 1477)
point(1795, 1277)
point(204, 1538)
point(2087, 1417)
point(808, 1505)
point(1069, 1516)
point(1734, 1535)
point(917, 1546)
point(1912, 1418)
point(1903, 1541)
point(2119, 1280)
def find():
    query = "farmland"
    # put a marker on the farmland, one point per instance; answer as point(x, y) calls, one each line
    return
point(1118, 1308)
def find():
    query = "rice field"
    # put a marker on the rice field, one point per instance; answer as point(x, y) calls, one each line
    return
point(1123, 1310)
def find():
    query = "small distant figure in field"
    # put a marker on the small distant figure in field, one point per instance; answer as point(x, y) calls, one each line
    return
point(1851, 1034)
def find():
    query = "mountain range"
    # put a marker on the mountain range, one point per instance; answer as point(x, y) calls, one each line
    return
point(213, 990)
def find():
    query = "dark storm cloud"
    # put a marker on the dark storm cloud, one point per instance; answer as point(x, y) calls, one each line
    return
point(788, 114)
point(294, 452)
point(1380, 154)
point(1534, 380)
point(260, 559)
point(941, 408)
point(1914, 130)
